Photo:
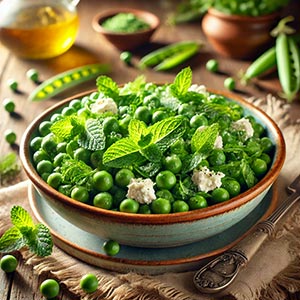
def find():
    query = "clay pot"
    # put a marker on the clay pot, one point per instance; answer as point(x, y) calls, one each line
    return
point(236, 36)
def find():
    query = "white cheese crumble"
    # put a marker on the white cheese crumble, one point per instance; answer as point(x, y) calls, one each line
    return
point(245, 125)
point(207, 180)
point(218, 144)
point(141, 190)
point(103, 105)
point(201, 89)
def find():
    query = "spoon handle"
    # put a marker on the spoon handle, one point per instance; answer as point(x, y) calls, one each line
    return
point(221, 271)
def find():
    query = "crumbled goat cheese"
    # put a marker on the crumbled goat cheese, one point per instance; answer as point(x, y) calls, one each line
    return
point(141, 190)
point(103, 105)
point(201, 89)
point(245, 125)
point(218, 142)
point(207, 180)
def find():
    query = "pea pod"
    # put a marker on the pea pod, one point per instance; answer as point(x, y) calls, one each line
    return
point(177, 59)
point(158, 56)
point(288, 59)
point(263, 63)
point(63, 81)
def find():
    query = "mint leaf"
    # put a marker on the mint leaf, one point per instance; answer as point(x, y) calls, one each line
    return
point(25, 232)
point(107, 86)
point(93, 138)
point(75, 171)
point(122, 153)
point(39, 240)
point(149, 169)
point(152, 153)
point(204, 138)
point(9, 167)
point(67, 128)
point(136, 129)
point(182, 82)
point(20, 218)
point(11, 240)
point(166, 132)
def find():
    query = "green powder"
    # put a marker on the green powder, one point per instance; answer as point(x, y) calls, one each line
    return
point(125, 22)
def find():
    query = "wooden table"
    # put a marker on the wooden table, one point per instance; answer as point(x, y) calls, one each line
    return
point(90, 48)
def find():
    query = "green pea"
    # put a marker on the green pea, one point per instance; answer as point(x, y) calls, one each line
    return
point(13, 84)
point(44, 166)
point(111, 247)
point(220, 195)
point(180, 206)
point(33, 75)
point(197, 202)
point(229, 83)
point(166, 194)
point(173, 163)
point(89, 283)
point(35, 143)
point(259, 166)
point(123, 177)
point(212, 65)
point(82, 154)
point(161, 206)
point(232, 186)
point(40, 155)
point(126, 57)
point(54, 180)
point(102, 181)
point(144, 114)
point(8, 263)
point(144, 209)
point(80, 193)
point(49, 288)
point(129, 205)
point(44, 128)
point(165, 180)
point(9, 105)
point(103, 200)
point(10, 136)
point(68, 111)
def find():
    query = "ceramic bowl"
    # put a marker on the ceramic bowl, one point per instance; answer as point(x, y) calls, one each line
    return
point(239, 37)
point(126, 41)
point(157, 231)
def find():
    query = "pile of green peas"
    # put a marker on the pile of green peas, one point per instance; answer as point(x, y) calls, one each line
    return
point(107, 187)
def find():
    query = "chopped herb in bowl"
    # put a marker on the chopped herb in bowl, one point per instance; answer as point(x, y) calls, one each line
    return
point(125, 22)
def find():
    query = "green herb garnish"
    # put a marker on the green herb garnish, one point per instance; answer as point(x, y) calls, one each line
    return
point(24, 232)
point(9, 167)
point(131, 150)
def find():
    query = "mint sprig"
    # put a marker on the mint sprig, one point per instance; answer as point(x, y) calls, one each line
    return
point(25, 232)
point(139, 145)
point(182, 82)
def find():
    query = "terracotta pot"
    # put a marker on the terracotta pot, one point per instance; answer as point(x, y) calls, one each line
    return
point(238, 36)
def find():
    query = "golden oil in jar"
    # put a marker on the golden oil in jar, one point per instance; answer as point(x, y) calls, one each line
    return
point(40, 32)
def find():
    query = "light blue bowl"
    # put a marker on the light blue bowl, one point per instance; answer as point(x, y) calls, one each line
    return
point(158, 231)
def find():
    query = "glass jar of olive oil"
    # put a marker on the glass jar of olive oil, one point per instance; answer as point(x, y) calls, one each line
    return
point(38, 29)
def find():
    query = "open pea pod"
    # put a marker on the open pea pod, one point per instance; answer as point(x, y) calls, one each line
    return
point(63, 81)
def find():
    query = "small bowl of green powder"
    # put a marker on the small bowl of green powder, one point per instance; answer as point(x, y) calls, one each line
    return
point(126, 28)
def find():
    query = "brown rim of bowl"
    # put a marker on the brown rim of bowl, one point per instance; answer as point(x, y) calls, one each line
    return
point(244, 18)
point(146, 16)
point(181, 217)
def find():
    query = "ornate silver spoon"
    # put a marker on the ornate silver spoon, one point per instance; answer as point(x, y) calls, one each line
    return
point(219, 273)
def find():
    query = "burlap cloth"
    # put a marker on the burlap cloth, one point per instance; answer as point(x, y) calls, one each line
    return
point(271, 274)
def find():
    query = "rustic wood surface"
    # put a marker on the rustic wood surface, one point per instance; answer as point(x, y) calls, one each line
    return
point(90, 48)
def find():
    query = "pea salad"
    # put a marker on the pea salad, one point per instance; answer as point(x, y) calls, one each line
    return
point(147, 148)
